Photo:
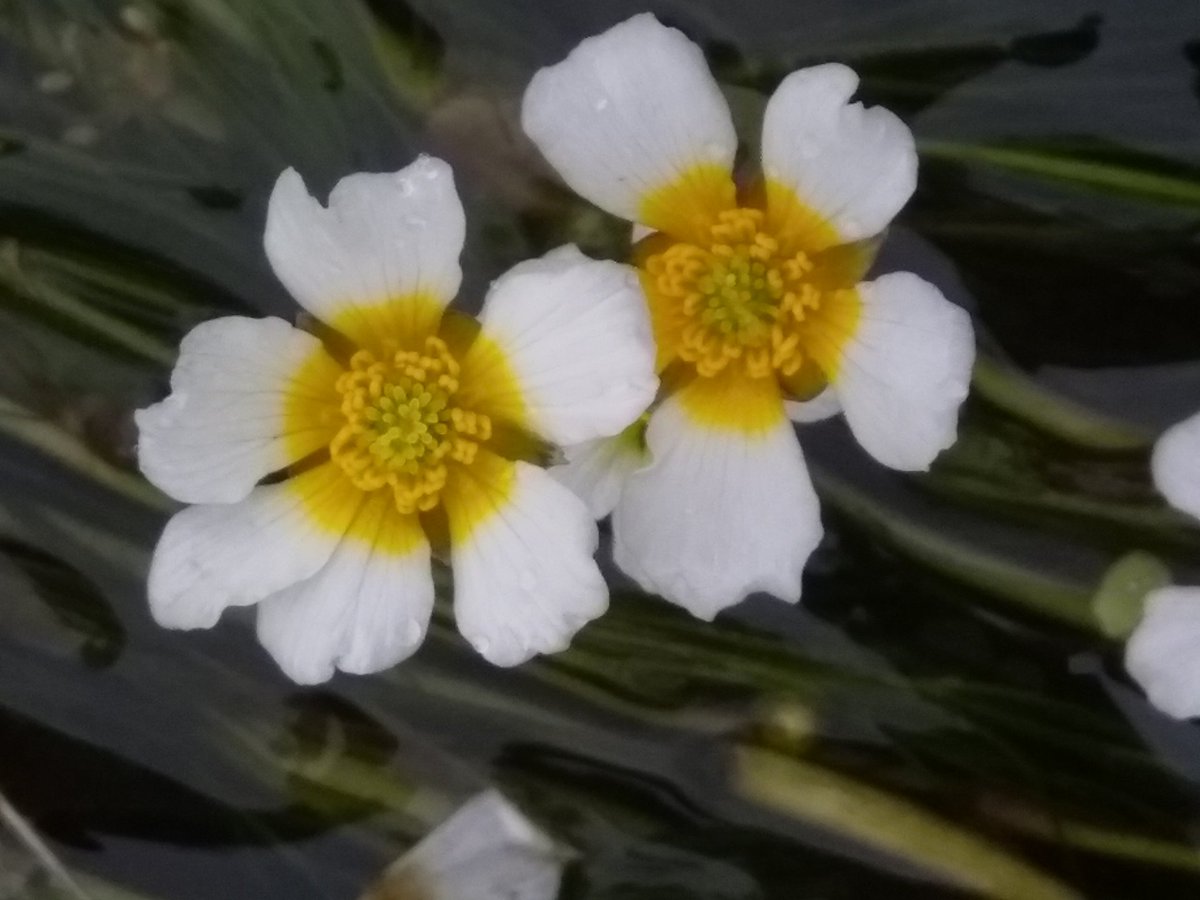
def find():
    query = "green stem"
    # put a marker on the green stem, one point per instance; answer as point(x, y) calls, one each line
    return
point(814, 794)
point(59, 303)
point(67, 450)
point(1095, 839)
point(1066, 601)
point(1103, 176)
point(1021, 396)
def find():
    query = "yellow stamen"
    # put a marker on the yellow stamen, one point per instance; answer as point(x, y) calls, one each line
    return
point(740, 297)
point(402, 426)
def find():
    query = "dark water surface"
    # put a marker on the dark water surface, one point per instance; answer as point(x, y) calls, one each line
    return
point(945, 716)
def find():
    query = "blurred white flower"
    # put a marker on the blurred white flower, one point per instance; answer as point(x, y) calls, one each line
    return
point(487, 850)
point(756, 299)
point(1163, 653)
point(411, 410)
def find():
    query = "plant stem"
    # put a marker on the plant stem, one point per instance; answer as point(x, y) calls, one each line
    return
point(814, 794)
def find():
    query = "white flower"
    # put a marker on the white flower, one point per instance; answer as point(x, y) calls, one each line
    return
point(487, 850)
point(756, 301)
point(1163, 653)
point(410, 415)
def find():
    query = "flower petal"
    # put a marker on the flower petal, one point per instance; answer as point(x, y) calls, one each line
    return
point(1176, 465)
point(853, 167)
point(823, 406)
point(629, 112)
point(522, 550)
point(1163, 653)
point(720, 513)
point(382, 258)
point(225, 424)
point(487, 849)
point(366, 610)
point(596, 471)
point(905, 371)
point(566, 348)
point(214, 556)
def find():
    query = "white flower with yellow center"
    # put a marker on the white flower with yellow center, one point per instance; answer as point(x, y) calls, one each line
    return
point(1163, 653)
point(401, 423)
point(756, 300)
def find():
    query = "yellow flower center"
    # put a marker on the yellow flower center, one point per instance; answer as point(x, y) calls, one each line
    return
point(740, 297)
point(402, 425)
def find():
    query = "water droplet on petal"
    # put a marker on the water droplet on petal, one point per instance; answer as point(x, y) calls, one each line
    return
point(414, 221)
point(406, 187)
point(601, 103)
point(431, 172)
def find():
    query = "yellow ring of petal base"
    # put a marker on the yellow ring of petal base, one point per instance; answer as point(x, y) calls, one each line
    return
point(739, 293)
point(401, 427)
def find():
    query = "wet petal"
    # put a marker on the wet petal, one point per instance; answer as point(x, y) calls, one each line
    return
point(596, 471)
point(853, 167)
point(381, 259)
point(522, 550)
point(226, 423)
point(211, 557)
point(720, 513)
point(567, 352)
point(629, 112)
point(367, 608)
point(905, 371)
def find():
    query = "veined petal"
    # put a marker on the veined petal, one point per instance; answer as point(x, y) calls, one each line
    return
point(382, 259)
point(853, 167)
point(522, 550)
point(905, 371)
point(721, 511)
point(226, 423)
point(365, 610)
point(1176, 465)
point(1163, 653)
point(214, 556)
point(596, 470)
point(630, 112)
point(487, 850)
point(565, 349)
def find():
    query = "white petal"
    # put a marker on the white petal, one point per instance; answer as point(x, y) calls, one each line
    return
point(575, 332)
point(224, 425)
point(855, 167)
point(823, 406)
point(718, 514)
point(627, 112)
point(365, 611)
point(1163, 654)
point(211, 557)
point(596, 471)
point(524, 577)
point(1176, 465)
point(487, 850)
point(906, 370)
point(384, 237)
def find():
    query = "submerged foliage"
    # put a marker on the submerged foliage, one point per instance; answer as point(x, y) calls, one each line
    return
point(944, 716)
